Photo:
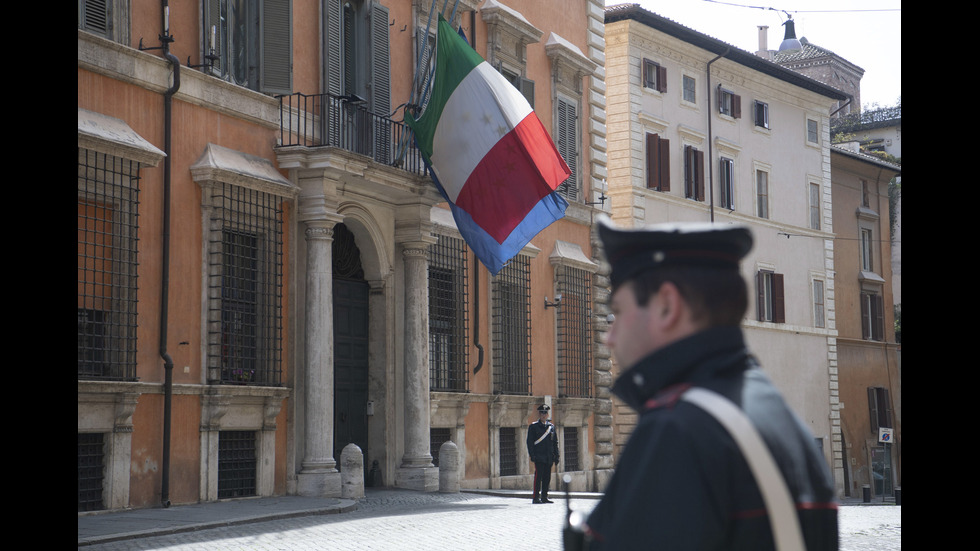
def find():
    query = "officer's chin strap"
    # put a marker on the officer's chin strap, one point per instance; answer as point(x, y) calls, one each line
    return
point(574, 535)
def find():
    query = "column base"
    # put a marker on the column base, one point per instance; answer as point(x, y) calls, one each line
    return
point(318, 484)
point(423, 479)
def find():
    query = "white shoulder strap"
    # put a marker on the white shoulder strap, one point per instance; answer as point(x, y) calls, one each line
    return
point(782, 511)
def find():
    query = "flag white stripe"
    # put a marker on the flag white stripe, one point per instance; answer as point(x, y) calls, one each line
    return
point(483, 108)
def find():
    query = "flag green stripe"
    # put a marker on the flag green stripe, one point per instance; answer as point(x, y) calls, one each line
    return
point(454, 60)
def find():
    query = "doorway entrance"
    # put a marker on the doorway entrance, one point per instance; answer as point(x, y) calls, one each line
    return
point(350, 322)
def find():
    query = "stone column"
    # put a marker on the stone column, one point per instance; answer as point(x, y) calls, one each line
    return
point(417, 471)
point(319, 475)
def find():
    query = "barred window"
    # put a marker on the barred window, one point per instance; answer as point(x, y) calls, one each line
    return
point(438, 437)
point(245, 256)
point(570, 448)
point(448, 346)
point(508, 451)
point(236, 463)
point(512, 328)
point(574, 332)
point(91, 471)
point(108, 227)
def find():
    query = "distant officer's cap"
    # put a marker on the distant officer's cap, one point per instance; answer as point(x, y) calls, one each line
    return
point(544, 408)
point(632, 251)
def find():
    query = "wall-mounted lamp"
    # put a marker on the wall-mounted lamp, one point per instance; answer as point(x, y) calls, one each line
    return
point(555, 304)
point(211, 57)
point(602, 200)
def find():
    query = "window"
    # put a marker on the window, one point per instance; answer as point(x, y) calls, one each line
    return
point(865, 194)
point(872, 316)
point(525, 86)
point(570, 448)
point(236, 464)
point(448, 346)
point(879, 406)
point(727, 183)
point(729, 103)
point(108, 228)
point(812, 132)
point(252, 41)
point(867, 250)
point(91, 471)
point(654, 76)
point(818, 304)
point(512, 328)
point(438, 437)
point(574, 331)
point(245, 263)
point(658, 163)
point(761, 114)
point(762, 193)
point(567, 143)
point(508, 451)
point(814, 206)
point(689, 85)
point(106, 18)
point(771, 302)
point(693, 173)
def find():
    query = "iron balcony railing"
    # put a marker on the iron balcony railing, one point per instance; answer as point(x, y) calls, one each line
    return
point(343, 121)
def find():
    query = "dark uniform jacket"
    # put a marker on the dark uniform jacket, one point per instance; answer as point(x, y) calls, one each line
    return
point(682, 483)
point(545, 451)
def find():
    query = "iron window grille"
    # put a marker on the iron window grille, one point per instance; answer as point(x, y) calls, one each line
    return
point(437, 437)
point(512, 328)
point(448, 316)
point(91, 471)
point(570, 448)
point(245, 256)
point(574, 332)
point(236, 464)
point(508, 451)
point(108, 238)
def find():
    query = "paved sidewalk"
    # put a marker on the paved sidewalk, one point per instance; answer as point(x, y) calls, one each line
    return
point(105, 527)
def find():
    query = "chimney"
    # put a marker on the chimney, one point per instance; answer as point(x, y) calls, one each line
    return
point(763, 50)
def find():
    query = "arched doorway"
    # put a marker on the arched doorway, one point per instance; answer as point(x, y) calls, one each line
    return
point(350, 322)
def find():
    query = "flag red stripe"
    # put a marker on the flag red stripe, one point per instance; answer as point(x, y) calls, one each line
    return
point(511, 179)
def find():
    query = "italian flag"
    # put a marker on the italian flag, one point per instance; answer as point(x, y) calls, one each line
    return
point(488, 153)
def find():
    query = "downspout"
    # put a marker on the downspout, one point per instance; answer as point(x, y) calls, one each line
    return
point(168, 363)
point(711, 159)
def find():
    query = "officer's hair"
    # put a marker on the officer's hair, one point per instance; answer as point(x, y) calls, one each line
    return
point(717, 297)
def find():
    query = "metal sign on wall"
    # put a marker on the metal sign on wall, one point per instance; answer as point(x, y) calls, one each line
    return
point(885, 435)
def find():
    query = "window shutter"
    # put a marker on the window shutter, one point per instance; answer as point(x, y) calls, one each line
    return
point(527, 90)
point(653, 167)
point(661, 78)
point(879, 408)
point(95, 17)
point(276, 47)
point(778, 299)
point(865, 316)
point(736, 106)
point(334, 47)
point(381, 85)
point(760, 297)
point(877, 318)
point(699, 175)
point(567, 137)
point(664, 159)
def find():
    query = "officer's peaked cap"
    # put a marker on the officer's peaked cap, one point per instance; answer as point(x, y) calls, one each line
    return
point(544, 408)
point(631, 251)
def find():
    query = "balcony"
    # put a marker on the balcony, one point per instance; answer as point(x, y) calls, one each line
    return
point(325, 120)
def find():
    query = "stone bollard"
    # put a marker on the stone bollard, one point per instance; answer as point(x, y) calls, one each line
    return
point(449, 468)
point(351, 472)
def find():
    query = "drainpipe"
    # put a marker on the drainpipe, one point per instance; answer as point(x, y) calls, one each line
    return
point(711, 159)
point(168, 363)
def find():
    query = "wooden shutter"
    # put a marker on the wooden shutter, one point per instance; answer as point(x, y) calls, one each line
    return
point(699, 175)
point(96, 17)
point(661, 78)
point(527, 90)
point(736, 106)
point(778, 299)
point(879, 408)
point(381, 85)
point(567, 146)
point(276, 47)
point(658, 163)
point(693, 173)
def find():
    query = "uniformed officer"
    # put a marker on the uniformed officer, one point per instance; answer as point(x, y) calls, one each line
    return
point(681, 482)
point(542, 446)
